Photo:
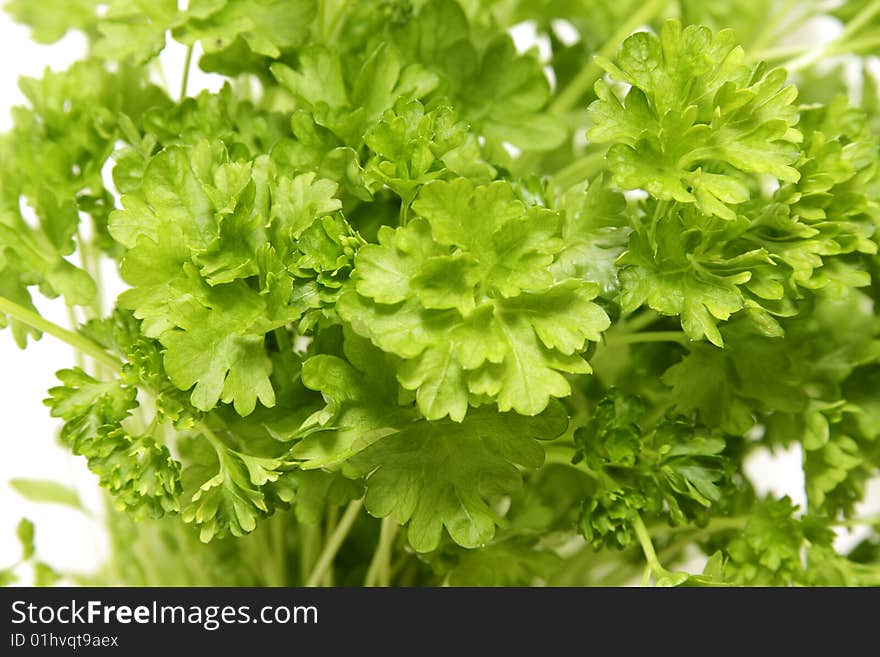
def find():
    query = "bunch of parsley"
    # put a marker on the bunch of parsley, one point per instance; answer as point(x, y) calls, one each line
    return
point(405, 305)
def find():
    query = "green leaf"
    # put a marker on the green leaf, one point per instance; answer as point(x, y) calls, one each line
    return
point(767, 551)
point(45, 491)
point(506, 563)
point(206, 280)
point(239, 489)
point(50, 20)
point(135, 29)
point(267, 27)
point(433, 476)
point(413, 146)
point(693, 107)
point(316, 491)
point(137, 470)
point(349, 107)
point(358, 410)
point(496, 324)
point(218, 355)
point(25, 533)
point(505, 98)
point(45, 575)
point(675, 469)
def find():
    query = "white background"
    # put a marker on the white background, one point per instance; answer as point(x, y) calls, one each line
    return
point(67, 539)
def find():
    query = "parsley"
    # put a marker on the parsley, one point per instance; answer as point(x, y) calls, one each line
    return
point(404, 305)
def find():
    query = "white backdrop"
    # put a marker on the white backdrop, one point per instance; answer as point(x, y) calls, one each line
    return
point(67, 539)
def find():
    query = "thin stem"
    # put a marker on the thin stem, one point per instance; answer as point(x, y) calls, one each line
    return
point(186, 66)
point(215, 441)
point(282, 338)
point(330, 32)
point(379, 572)
point(279, 552)
point(581, 169)
point(588, 75)
point(768, 31)
point(404, 209)
point(332, 520)
point(648, 336)
point(75, 340)
point(855, 46)
point(559, 457)
point(634, 324)
point(840, 45)
point(332, 546)
point(646, 575)
point(855, 522)
point(789, 53)
point(647, 546)
point(262, 541)
point(91, 265)
point(860, 20)
point(310, 538)
point(77, 354)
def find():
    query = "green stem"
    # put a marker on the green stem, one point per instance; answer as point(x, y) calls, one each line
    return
point(186, 66)
point(854, 47)
point(91, 265)
point(719, 524)
point(405, 202)
point(379, 571)
point(855, 522)
point(860, 20)
point(648, 547)
point(648, 336)
point(582, 169)
point(310, 539)
point(584, 80)
point(279, 551)
point(329, 31)
point(632, 324)
point(282, 338)
point(841, 45)
point(789, 53)
point(215, 441)
point(558, 456)
point(332, 520)
point(262, 542)
point(78, 342)
point(77, 354)
point(332, 546)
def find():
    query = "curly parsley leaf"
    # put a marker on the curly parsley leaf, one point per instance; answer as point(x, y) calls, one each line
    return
point(472, 309)
point(432, 476)
point(696, 119)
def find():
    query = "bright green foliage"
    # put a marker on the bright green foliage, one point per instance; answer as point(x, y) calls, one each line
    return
point(767, 551)
point(509, 328)
point(268, 27)
point(705, 269)
point(196, 233)
point(347, 108)
point(241, 492)
point(675, 470)
point(695, 119)
point(436, 475)
point(507, 563)
point(413, 147)
point(140, 473)
point(405, 303)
